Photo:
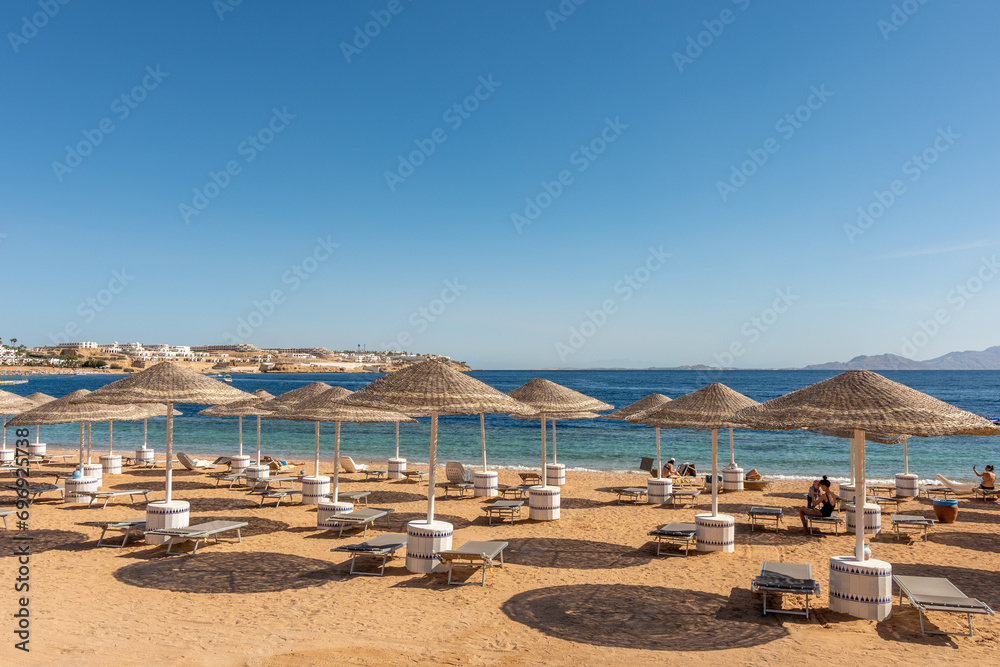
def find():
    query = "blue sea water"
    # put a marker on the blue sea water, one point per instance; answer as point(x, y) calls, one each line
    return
point(597, 444)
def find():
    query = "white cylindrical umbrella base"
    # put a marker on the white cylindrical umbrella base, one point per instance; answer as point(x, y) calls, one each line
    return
point(327, 511)
point(396, 468)
point(862, 589)
point(847, 491)
point(79, 484)
point(555, 474)
point(423, 539)
point(238, 464)
point(485, 483)
point(315, 489)
point(256, 472)
point(92, 470)
point(543, 503)
point(161, 514)
point(906, 485)
point(873, 519)
point(658, 490)
point(6, 455)
point(36, 449)
point(732, 479)
point(111, 464)
point(715, 533)
point(143, 455)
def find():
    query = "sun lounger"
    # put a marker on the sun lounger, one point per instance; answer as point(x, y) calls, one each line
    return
point(792, 578)
point(349, 466)
point(278, 494)
point(359, 518)
point(197, 533)
point(4, 514)
point(356, 497)
point(938, 594)
point(151, 463)
point(880, 489)
point(32, 491)
point(530, 478)
point(504, 509)
point(194, 464)
point(108, 495)
point(232, 478)
point(415, 476)
point(956, 487)
point(473, 554)
point(674, 533)
point(937, 492)
point(49, 458)
point(985, 494)
point(457, 473)
point(384, 546)
point(631, 494)
point(834, 520)
point(518, 491)
point(130, 528)
point(886, 500)
point(762, 515)
point(684, 497)
point(900, 522)
point(646, 465)
point(451, 486)
point(756, 484)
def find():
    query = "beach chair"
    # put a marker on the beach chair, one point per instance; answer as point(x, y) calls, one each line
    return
point(32, 491)
point(461, 487)
point(348, 465)
point(756, 484)
point(932, 492)
point(473, 554)
point(834, 520)
point(383, 547)
point(359, 518)
point(684, 497)
point(108, 495)
point(198, 533)
point(631, 494)
point(646, 464)
point(900, 523)
point(194, 464)
point(415, 476)
point(356, 497)
point(674, 533)
point(687, 469)
point(457, 473)
point(130, 528)
point(504, 509)
point(277, 494)
point(956, 487)
point(762, 515)
point(938, 594)
point(516, 491)
point(985, 494)
point(530, 478)
point(791, 578)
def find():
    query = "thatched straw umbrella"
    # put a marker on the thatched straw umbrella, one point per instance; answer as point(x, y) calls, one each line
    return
point(863, 401)
point(168, 383)
point(245, 407)
point(308, 394)
point(11, 404)
point(38, 398)
point(555, 470)
point(906, 484)
point(707, 408)
point(327, 408)
point(645, 404)
point(550, 399)
point(431, 387)
point(295, 396)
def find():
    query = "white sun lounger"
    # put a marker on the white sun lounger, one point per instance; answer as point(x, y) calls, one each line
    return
point(761, 515)
point(359, 518)
point(791, 578)
point(938, 594)
point(473, 554)
point(900, 523)
point(197, 533)
point(675, 533)
point(278, 494)
point(194, 464)
point(956, 487)
point(384, 546)
point(504, 509)
point(130, 527)
point(108, 495)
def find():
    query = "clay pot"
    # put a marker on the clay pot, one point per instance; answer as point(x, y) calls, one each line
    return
point(946, 511)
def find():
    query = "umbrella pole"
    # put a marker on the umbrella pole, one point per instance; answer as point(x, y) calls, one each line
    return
point(316, 457)
point(37, 428)
point(145, 427)
point(554, 441)
point(482, 436)
point(81, 445)
point(715, 471)
point(433, 464)
point(860, 497)
point(397, 440)
point(111, 430)
point(732, 455)
point(545, 480)
point(3, 427)
point(659, 468)
point(906, 460)
point(336, 461)
point(258, 439)
point(88, 442)
point(241, 434)
point(168, 482)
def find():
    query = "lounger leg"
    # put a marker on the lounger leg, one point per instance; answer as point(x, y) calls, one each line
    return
point(91, 502)
point(196, 542)
point(105, 505)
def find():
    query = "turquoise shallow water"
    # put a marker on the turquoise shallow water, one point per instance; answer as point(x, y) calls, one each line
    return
point(586, 444)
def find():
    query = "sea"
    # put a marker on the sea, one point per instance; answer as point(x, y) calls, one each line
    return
point(586, 444)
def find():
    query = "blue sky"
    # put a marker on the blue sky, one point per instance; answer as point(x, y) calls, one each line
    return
point(645, 248)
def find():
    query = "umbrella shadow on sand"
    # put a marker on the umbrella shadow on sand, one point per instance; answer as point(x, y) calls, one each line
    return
point(42, 540)
point(575, 554)
point(649, 617)
point(243, 573)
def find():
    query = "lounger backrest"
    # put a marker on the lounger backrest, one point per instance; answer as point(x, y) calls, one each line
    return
point(186, 461)
point(347, 463)
point(646, 465)
point(456, 472)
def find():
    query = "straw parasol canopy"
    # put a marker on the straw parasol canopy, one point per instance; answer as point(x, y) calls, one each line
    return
point(244, 407)
point(881, 438)
point(38, 398)
point(645, 404)
point(553, 417)
point(435, 388)
point(326, 407)
point(11, 404)
point(863, 401)
point(708, 408)
point(168, 383)
point(290, 398)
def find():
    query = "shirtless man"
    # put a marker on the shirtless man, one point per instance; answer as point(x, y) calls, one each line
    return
point(989, 478)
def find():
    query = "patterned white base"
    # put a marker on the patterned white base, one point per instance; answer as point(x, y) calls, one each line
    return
point(873, 519)
point(485, 482)
point(396, 468)
point(80, 484)
point(314, 489)
point(422, 540)
point(658, 490)
point(327, 511)
point(715, 533)
point(143, 455)
point(732, 479)
point(93, 470)
point(161, 514)
point(906, 485)
point(543, 503)
point(111, 464)
point(555, 474)
point(862, 589)
point(6, 455)
point(36, 449)
point(239, 464)
point(255, 472)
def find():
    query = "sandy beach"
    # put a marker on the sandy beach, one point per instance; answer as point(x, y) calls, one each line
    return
point(586, 589)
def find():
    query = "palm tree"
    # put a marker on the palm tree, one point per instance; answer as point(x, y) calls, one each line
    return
point(13, 342)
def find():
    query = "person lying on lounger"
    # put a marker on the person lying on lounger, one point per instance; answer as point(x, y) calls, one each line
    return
point(823, 507)
point(989, 478)
point(753, 476)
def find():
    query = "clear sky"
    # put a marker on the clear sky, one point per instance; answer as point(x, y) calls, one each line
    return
point(626, 183)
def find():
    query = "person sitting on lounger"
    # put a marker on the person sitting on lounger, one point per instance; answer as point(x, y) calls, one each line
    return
point(824, 506)
point(668, 469)
point(989, 478)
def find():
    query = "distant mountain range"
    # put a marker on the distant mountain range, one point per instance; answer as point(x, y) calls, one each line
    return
point(970, 360)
